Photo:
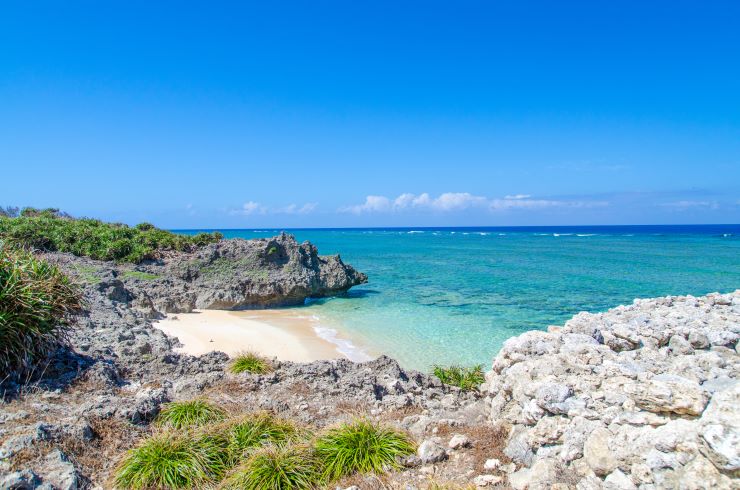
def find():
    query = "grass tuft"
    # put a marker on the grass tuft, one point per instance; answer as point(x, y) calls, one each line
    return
point(192, 413)
point(243, 435)
point(361, 446)
point(37, 301)
point(275, 468)
point(249, 362)
point(171, 461)
point(466, 378)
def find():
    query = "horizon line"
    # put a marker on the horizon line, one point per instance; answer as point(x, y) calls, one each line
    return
point(447, 227)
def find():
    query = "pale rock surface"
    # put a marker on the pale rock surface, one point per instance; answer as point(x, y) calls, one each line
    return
point(641, 396)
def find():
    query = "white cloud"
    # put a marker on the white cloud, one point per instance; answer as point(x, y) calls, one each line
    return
point(685, 205)
point(372, 204)
point(307, 208)
point(455, 201)
point(459, 201)
point(252, 207)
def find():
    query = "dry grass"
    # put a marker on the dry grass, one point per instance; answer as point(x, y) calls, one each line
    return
point(488, 442)
point(94, 458)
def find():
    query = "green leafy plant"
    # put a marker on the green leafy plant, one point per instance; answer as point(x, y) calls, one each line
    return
point(192, 413)
point(37, 302)
point(466, 378)
point(246, 433)
point(272, 250)
point(51, 230)
point(171, 461)
point(361, 446)
point(275, 468)
point(249, 362)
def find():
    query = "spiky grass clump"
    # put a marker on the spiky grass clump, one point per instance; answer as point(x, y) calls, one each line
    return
point(243, 435)
point(361, 446)
point(172, 461)
point(36, 303)
point(276, 468)
point(192, 413)
point(466, 378)
point(249, 362)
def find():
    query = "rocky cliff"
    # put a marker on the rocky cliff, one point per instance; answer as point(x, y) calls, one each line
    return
point(641, 396)
point(230, 274)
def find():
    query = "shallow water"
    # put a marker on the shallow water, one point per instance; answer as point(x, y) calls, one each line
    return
point(454, 295)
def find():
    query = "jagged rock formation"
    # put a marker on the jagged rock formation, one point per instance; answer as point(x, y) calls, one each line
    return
point(641, 396)
point(230, 274)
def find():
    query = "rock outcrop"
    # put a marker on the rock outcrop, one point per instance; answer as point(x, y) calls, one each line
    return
point(230, 274)
point(641, 396)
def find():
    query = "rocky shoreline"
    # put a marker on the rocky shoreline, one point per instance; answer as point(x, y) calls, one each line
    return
point(640, 396)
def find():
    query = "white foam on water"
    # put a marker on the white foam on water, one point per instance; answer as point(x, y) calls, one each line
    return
point(586, 234)
point(344, 346)
point(414, 231)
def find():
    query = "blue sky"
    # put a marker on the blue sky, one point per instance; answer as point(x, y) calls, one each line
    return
point(286, 114)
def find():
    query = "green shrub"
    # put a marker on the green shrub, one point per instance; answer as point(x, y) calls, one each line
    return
point(249, 362)
point(171, 461)
point(244, 434)
point(36, 303)
point(275, 468)
point(192, 413)
point(466, 378)
point(361, 446)
point(51, 230)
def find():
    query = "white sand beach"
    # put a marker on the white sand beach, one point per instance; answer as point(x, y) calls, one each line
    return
point(274, 333)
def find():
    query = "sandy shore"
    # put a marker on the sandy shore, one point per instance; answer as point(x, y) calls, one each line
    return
point(284, 334)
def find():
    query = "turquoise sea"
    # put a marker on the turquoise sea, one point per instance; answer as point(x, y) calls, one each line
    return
point(454, 295)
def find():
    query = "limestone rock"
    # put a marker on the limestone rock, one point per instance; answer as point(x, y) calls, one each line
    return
point(459, 441)
point(720, 429)
point(431, 452)
point(597, 453)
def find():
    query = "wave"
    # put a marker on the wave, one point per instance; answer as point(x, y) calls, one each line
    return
point(586, 234)
point(344, 346)
point(414, 231)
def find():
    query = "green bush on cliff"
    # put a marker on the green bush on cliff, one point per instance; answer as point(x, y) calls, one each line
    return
point(361, 446)
point(249, 362)
point(254, 451)
point(172, 461)
point(36, 303)
point(275, 468)
point(51, 230)
point(192, 413)
point(466, 378)
point(244, 434)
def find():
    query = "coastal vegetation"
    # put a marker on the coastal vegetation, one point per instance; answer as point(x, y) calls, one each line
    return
point(257, 451)
point(55, 231)
point(249, 362)
point(275, 467)
point(465, 378)
point(37, 302)
point(192, 413)
point(361, 447)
